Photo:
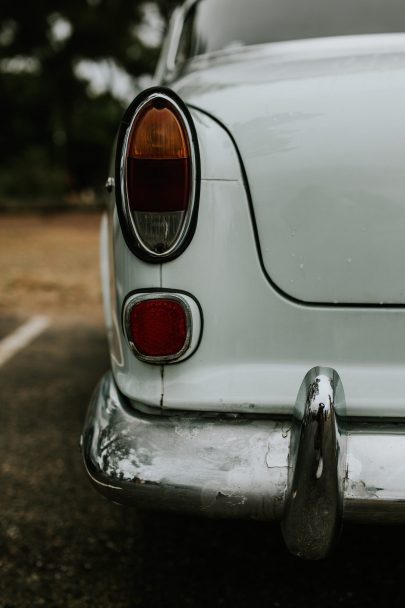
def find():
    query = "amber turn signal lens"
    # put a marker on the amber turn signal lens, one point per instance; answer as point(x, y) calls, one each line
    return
point(158, 133)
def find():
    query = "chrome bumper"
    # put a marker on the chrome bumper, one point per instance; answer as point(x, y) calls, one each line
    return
point(311, 472)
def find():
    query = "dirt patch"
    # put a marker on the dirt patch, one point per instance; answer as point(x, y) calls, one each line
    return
point(50, 265)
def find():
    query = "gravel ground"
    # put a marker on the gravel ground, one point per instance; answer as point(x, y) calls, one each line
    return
point(50, 265)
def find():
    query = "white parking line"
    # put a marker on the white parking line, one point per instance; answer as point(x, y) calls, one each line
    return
point(22, 336)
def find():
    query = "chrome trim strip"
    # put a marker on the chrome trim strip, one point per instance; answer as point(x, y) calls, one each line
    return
point(179, 18)
point(141, 297)
point(123, 183)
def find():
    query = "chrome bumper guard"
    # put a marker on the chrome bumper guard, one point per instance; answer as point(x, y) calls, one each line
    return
point(311, 472)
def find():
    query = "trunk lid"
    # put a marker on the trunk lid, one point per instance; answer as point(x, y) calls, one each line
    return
point(320, 126)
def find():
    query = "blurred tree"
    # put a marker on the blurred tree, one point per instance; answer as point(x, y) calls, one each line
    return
point(57, 128)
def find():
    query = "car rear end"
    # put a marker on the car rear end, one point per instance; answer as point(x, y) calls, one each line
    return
point(252, 288)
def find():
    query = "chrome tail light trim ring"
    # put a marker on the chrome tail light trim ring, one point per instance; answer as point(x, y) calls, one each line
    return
point(193, 322)
point(131, 234)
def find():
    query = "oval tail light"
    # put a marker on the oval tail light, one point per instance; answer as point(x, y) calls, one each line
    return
point(159, 175)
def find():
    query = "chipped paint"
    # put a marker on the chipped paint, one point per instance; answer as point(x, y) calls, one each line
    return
point(219, 466)
point(361, 490)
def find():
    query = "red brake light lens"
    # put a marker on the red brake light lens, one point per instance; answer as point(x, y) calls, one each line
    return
point(158, 174)
point(158, 327)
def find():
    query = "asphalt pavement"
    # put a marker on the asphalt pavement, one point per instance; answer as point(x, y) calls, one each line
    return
point(61, 544)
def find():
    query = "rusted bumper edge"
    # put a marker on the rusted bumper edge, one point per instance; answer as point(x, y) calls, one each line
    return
point(310, 472)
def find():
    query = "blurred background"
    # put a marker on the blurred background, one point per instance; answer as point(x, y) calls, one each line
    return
point(67, 71)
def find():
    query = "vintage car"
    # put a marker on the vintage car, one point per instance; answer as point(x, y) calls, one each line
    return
point(253, 272)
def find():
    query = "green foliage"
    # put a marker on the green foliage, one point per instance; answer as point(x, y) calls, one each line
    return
point(57, 132)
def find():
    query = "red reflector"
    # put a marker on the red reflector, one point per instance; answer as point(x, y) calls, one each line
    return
point(158, 327)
